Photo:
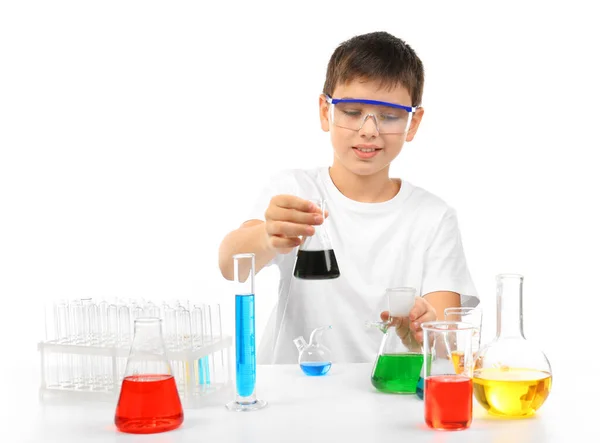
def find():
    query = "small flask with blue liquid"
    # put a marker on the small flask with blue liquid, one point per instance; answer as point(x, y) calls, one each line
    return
point(314, 358)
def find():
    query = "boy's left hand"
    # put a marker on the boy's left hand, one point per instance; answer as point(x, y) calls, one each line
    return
point(421, 312)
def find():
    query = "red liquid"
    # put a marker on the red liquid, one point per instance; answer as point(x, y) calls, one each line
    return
point(148, 404)
point(448, 402)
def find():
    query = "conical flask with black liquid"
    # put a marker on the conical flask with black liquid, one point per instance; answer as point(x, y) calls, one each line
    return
point(316, 259)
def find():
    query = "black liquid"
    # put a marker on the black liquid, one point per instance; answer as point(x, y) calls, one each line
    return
point(316, 265)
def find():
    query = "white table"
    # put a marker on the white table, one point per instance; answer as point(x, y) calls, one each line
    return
point(339, 407)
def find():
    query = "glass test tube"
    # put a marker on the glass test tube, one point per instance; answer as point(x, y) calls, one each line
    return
point(245, 348)
point(184, 343)
point(204, 363)
point(219, 375)
point(198, 327)
point(212, 366)
point(65, 379)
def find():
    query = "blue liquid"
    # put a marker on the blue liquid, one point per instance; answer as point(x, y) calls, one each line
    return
point(245, 348)
point(203, 371)
point(420, 388)
point(316, 368)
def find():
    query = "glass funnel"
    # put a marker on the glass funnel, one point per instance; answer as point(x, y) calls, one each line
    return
point(314, 358)
point(512, 377)
point(316, 258)
point(400, 359)
point(148, 401)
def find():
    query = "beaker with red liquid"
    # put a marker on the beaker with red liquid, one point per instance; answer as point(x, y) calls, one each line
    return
point(448, 401)
point(148, 401)
point(448, 388)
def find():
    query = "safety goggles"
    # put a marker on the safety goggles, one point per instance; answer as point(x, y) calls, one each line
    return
point(352, 113)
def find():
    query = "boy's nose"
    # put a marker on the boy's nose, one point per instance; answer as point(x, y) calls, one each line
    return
point(369, 127)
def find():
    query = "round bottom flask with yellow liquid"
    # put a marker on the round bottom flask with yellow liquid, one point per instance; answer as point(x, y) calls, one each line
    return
point(512, 377)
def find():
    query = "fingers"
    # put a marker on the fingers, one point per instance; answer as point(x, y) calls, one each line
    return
point(287, 219)
point(418, 310)
point(288, 229)
point(285, 242)
point(293, 202)
point(418, 336)
point(409, 328)
point(398, 322)
point(293, 215)
point(421, 312)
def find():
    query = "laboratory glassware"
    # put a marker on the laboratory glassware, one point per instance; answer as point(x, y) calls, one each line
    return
point(149, 401)
point(448, 387)
point(316, 259)
point(314, 358)
point(92, 369)
point(400, 358)
point(245, 346)
point(469, 315)
point(512, 376)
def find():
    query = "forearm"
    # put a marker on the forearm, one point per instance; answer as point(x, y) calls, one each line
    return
point(441, 300)
point(251, 237)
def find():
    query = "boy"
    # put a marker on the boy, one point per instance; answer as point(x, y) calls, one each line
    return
point(385, 232)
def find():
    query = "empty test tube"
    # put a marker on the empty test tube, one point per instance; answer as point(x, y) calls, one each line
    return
point(103, 321)
point(137, 312)
point(220, 375)
point(124, 325)
point(184, 343)
point(61, 322)
point(112, 331)
point(64, 361)
point(151, 310)
point(170, 329)
point(212, 342)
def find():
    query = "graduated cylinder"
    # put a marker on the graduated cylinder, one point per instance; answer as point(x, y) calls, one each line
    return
point(245, 346)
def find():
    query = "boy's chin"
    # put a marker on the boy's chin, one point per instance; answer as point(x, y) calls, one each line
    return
point(364, 169)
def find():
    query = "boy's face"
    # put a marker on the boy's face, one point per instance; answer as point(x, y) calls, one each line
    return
point(353, 149)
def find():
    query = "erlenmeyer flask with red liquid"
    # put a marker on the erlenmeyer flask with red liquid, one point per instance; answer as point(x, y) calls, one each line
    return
point(316, 258)
point(149, 401)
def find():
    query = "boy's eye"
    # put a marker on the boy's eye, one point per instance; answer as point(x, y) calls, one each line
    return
point(351, 112)
point(388, 117)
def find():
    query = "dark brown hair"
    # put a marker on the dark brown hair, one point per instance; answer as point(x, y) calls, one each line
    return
point(376, 56)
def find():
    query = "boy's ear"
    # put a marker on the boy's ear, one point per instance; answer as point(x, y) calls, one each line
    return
point(324, 113)
point(414, 124)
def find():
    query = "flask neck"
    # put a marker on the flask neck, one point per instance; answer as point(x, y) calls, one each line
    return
point(509, 306)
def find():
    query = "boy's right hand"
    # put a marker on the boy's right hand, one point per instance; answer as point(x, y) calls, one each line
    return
point(287, 219)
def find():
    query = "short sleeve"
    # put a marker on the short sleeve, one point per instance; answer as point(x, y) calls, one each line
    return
point(445, 267)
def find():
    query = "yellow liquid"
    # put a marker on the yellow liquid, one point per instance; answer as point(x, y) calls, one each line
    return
point(511, 392)
point(458, 360)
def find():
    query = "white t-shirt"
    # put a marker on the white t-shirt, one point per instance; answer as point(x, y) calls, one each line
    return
point(411, 240)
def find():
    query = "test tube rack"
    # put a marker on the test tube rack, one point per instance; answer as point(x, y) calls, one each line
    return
point(87, 343)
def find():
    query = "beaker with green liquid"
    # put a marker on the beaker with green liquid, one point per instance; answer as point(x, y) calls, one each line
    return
point(400, 358)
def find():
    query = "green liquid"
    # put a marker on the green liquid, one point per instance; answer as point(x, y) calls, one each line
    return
point(397, 373)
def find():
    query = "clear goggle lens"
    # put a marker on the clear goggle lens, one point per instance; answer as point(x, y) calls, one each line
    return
point(353, 115)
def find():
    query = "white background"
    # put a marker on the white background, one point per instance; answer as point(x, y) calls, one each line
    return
point(135, 136)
